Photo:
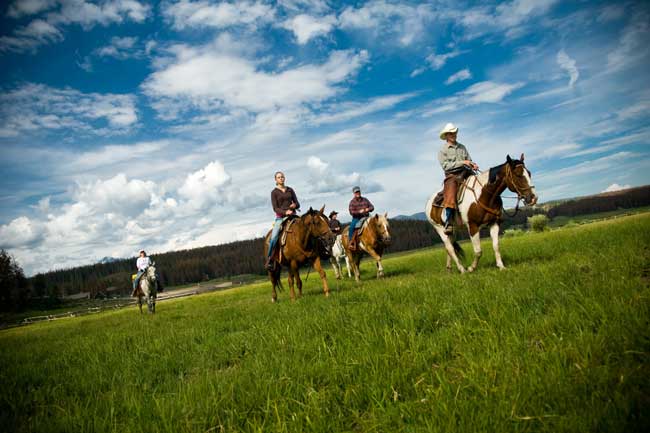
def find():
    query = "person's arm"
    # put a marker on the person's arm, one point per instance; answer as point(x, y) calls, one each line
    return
point(294, 198)
point(352, 208)
point(275, 203)
point(369, 206)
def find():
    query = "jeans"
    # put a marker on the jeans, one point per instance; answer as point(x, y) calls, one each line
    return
point(353, 225)
point(274, 235)
point(137, 278)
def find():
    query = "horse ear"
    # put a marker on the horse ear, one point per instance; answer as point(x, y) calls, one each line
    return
point(322, 209)
point(385, 214)
point(310, 210)
point(521, 158)
point(376, 216)
point(508, 159)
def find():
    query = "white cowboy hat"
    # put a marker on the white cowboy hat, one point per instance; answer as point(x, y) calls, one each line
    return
point(450, 127)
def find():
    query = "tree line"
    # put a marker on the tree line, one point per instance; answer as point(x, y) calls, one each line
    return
point(247, 257)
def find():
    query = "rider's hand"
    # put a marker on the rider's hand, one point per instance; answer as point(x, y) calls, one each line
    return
point(292, 205)
point(475, 166)
point(289, 212)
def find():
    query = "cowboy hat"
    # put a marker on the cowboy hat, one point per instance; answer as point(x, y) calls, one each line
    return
point(333, 213)
point(449, 127)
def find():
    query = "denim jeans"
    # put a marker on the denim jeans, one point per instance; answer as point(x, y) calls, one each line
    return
point(274, 235)
point(353, 225)
point(137, 278)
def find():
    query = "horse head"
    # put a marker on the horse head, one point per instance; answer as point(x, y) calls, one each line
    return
point(151, 272)
point(319, 228)
point(380, 223)
point(518, 180)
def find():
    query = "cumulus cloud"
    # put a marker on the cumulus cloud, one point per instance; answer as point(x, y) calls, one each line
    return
point(206, 187)
point(462, 75)
point(34, 108)
point(210, 80)
point(187, 13)
point(569, 65)
point(21, 232)
point(306, 27)
point(616, 187)
point(61, 13)
point(324, 179)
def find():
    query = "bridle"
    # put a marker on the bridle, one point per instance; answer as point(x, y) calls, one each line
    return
point(509, 180)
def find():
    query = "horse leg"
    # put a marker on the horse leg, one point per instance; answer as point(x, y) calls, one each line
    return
point(377, 257)
point(446, 241)
point(475, 236)
point(323, 277)
point(347, 265)
point(494, 234)
point(336, 266)
point(448, 263)
point(296, 276)
point(140, 303)
point(292, 293)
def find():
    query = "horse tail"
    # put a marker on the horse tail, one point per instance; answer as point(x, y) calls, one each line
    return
point(458, 249)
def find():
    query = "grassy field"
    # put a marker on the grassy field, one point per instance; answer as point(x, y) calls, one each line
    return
point(558, 342)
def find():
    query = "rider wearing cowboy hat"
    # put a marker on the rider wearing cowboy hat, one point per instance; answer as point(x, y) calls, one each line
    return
point(335, 224)
point(456, 163)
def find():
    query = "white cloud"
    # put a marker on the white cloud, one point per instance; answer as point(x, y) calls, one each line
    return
point(206, 187)
point(437, 61)
point(616, 187)
point(403, 22)
point(211, 80)
point(306, 27)
point(48, 29)
point(633, 43)
point(120, 48)
point(478, 93)
point(186, 13)
point(462, 75)
point(351, 110)
point(21, 232)
point(36, 107)
point(117, 195)
point(326, 180)
point(569, 65)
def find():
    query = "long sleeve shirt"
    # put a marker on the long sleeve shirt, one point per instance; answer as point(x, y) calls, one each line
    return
point(335, 226)
point(357, 205)
point(142, 263)
point(452, 157)
point(281, 201)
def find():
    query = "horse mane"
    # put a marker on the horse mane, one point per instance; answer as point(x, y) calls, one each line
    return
point(492, 177)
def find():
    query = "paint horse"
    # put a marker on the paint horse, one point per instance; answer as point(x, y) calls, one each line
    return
point(374, 238)
point(338, 252)
point(147, 289)
point(482, 205)
point(308, 237)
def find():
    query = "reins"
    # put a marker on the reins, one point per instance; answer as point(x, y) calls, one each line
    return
point(492, 211)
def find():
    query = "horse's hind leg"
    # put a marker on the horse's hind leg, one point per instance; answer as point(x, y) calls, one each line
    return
point(449, 247)
point(347, 265)
point(448, 262)
point(296, 275)
point(323, 277)
point(494, 234)
point(476, 244)
point(336, 266)
point(140, 304)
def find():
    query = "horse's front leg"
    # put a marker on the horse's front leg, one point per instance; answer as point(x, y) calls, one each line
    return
point(140, 304)
point(494, 234)
point(377, 257)
point(475, 236)
point(347, 265)
point(323, 276)
point(297, 278)
point(355, 260)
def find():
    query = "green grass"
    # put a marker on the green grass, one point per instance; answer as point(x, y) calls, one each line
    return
point(558, 342)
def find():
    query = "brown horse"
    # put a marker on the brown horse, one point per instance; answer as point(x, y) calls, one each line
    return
point(308, 237)
point(481, 205)
point(373, 240)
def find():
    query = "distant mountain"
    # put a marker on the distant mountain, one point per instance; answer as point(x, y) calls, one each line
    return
point(109, 260)
point(420, 216)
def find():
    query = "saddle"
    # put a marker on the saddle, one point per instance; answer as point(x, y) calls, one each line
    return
point(284, 232)
point(353, 244)
point(460, 194)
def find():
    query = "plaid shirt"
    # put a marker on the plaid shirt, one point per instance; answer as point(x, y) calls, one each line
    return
point(357, 204)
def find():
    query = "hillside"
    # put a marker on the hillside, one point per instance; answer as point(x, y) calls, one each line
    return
point(559, 342)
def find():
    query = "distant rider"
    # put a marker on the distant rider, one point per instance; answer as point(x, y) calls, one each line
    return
point(359, 207)
point(285, 204)
point(335, 224)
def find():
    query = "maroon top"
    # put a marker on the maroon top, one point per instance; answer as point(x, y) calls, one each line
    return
point(356, 204)
point(282, 200)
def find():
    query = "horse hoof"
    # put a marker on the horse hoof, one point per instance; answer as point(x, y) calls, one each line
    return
point(470, 269)
point(449, 270)
point(273, 300)
point(502, 268)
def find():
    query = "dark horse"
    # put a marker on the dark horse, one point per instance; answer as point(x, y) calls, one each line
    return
point(481, 205)
point(309, 236)
point(374, 238)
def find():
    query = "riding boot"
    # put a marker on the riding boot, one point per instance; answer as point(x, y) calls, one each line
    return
point(449, 223)
point(270, 264)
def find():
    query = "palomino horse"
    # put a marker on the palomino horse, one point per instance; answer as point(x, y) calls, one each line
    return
point(147, 289)
point(482, 205)
point(307, 238)
point(338, 252)
point(374, 238)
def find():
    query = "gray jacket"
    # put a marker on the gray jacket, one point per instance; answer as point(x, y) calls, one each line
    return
point(452, 157)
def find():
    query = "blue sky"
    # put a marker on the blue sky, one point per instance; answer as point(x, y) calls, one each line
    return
point(128, 125)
